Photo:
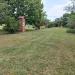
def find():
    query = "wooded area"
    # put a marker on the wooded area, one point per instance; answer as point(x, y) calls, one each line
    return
point(10, 10)
point(33, 11)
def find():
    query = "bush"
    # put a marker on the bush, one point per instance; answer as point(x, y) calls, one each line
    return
point(71, 31)
point(71, 21)
point(11, 25)
point(51, 24)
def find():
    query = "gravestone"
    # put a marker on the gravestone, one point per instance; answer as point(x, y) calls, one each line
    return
point(21, 23)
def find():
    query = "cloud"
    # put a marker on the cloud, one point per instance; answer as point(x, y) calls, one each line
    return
point(55, 11)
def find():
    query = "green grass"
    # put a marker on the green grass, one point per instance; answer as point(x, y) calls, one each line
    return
point(42, 52)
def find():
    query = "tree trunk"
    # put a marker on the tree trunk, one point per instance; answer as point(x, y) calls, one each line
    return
point(37, 27)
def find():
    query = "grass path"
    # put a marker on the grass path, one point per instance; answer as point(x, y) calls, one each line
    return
point(43, 52)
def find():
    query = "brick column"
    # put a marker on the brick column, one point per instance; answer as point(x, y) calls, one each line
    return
point(21, 23)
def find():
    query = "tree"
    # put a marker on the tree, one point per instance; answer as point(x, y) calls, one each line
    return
point(58, 22)
point(71, 7)
point(71, 21)
point(71, 18)
point(31, 9)
point(35, 13)
point(2, 11)
point(65, 19)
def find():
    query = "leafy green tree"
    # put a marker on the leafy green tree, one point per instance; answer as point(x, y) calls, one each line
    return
point(64, 19)
point(35, 13)
point(58, 22)
point(71, 7)
point(71, 21)
point(2, 11)
point(31, 9)
point(71, 18)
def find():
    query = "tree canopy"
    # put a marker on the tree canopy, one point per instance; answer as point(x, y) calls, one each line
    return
point(31, 9)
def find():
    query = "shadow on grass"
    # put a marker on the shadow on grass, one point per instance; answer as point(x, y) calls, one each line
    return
point(71, 31)
point(29, 30)
point(7, 33)
point(3, 32)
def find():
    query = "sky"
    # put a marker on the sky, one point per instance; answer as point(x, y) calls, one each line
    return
point(55, 8)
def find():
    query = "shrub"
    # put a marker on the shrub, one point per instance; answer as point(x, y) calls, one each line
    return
point(11, 25)
point(51, 24)
point(71, 21)
point(71, 31)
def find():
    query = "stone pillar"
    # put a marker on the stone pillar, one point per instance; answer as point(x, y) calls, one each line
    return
point(21, 23)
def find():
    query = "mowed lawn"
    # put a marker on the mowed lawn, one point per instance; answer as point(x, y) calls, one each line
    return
point(42, 52)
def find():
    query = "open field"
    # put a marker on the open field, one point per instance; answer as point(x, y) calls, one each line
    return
point(43, 52)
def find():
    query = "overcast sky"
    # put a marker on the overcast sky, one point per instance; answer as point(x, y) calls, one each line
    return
point(55, 8)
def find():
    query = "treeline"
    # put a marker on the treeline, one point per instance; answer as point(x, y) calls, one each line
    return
point(67, 20)
point(59, 22)
point(10, 10)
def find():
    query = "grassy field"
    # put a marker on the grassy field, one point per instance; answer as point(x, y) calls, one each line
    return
point(43, 52)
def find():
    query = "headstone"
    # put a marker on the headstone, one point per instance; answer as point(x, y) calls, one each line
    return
point(21, 23)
